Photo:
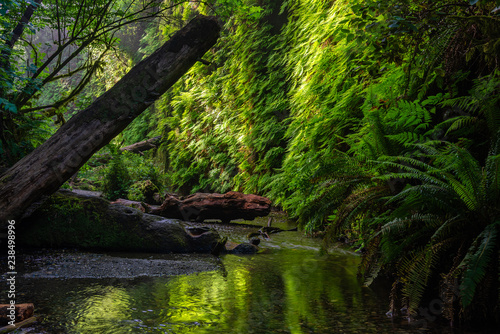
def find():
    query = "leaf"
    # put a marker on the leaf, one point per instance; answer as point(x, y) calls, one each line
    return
point(6, 105)
point(473, 2)
point(476, 261)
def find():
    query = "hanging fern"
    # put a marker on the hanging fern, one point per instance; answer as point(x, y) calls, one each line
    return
point(476, 261)
point(415, 271)
point(483, 102)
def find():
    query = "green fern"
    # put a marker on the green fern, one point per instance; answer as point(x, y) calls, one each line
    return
point(476, 261)
point(415, 271)
point(482, 101)
point(461, 201)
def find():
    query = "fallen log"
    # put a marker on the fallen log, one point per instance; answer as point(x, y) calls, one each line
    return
point(44, 170)
point(17, 325)
point(16, 313)
point(142, 146)
point(143, 207)
point(202, 206)
point(93, 223)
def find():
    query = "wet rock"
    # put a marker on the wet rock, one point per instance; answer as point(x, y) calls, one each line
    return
point(244, 248)
point(67, 219)
point(220, 247)
point(255, 241)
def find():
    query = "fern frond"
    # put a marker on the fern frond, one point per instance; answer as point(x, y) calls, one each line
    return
point(402, 224)
point(412, 172)
point(360, 200)
point(493, 171)
point(450, 226)
point(467, 103)
point(414, 274)
point(466, 194)
point(370, 262)
point(464, 165)
point(407, 139)
point(424, 195)
point(476, 261)
point(459, 122)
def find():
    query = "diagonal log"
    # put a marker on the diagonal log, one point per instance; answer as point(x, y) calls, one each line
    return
point(44, 170)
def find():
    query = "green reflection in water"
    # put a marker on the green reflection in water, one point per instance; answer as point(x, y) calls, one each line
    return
point(287, 291)
point(105, 305)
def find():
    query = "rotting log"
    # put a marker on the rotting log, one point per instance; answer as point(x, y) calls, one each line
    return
point(16, 313)
point(44, 170)
point(142, 146)
point(202, 206)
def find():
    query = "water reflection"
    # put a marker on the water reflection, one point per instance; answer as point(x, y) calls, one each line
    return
point(289, 289)
point(285, 291)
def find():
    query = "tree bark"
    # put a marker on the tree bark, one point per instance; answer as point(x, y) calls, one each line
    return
point(44, 170)
point(142, 145)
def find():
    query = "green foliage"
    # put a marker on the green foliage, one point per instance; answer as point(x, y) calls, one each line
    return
point(143, 191)
point(369, 120)
point(116, 177)
point(222, 132)
point(414, 271)
point(45, 73)
point(476, 261)
point(460, 200)
point(479, 109)
point(121, 174)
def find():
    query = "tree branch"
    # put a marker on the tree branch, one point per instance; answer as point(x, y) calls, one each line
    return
point(16, 34)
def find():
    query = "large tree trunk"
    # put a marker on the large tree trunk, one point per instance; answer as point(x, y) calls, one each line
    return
point(44, 170)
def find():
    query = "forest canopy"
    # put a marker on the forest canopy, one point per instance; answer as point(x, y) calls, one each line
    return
point(373, 121)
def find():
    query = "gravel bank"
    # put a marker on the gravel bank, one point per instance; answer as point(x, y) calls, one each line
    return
point(92, 265)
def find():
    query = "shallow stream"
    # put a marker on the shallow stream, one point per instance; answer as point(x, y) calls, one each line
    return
point(289, 288)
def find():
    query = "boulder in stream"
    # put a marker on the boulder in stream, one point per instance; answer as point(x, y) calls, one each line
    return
point(240, 248)
point(244, 248)
point(67, 219)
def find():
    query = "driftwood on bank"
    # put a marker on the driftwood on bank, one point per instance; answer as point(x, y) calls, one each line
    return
point(202, 206)
point(16, 313)
point(17, 325)
point(142, 146)
point(44, 170)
